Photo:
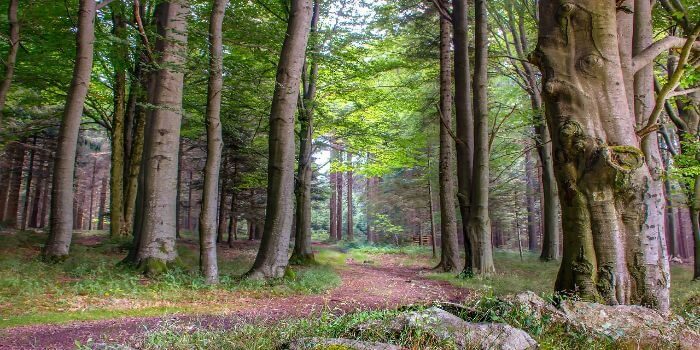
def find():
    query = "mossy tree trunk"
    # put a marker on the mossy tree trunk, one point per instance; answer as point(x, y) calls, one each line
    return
point(11, 55)
point(116, 179)
point(613, 242)
point(157, 221)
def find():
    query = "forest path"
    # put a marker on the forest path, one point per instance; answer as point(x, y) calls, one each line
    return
point(387, 285)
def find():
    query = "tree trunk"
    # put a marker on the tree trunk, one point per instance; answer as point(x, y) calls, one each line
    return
point(368, 208)
point(92, 194)
point(11, 55)
point(351, 225)
point(612, 244)
point(449, 259)
point(120, 57)
point(6, 169)
point(39, 189)
point(45, 196)
point(207, 217)
point(157, 227)
point(135, 151)
point(333, 227)
point(431, 210)
point(189, 203)
point(61, 230)
point(224, 212)
point(103, 202)
point(28, 186)
point(479, 221)
point(339, 206)
point(531, 189)
point(273, 257)
point(13, 194)
point(464, 114)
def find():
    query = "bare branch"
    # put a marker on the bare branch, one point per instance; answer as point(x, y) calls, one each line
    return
point(647, 56)
point(683, 92)
point(102, 4)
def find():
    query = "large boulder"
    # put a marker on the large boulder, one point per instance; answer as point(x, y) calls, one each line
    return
point(337, 344)
point(446, 326)
point(632, 324)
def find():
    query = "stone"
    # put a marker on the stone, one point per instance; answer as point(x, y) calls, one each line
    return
point(337, 344)
point(536, 305)
point(446, 326)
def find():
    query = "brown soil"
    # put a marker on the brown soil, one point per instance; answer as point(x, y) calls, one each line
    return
point(364, 287)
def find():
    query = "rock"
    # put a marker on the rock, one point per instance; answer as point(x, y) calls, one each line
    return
point(446, 326)
point(337, 344)
point(536, 305)
point(629, 324)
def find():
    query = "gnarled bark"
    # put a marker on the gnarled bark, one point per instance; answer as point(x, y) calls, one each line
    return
point(612, 244)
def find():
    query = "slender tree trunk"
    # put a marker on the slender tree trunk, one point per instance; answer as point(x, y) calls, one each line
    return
point(120, 57)
point(351, 224)
point(189, 203)
point(272, 258)
point(157, 227)
point(368, 208)
point(13, 194)
point(6, 168)
point(612, 246)
point(207, 217)
point(224, 212)
point(333, 227)
point(449, 259)
point(103, 202)
point(28, 186)
point(92, 194)
point(339, 206)
point(531, 186)
point(464, 115)
point(479, 221)
point(39, 189)
point(431, 209)
point(135, 151)
point(45, 196)
point(61, 231)
point(11, 55)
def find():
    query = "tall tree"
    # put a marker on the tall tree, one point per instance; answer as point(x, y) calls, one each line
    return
point(614, 244)
point(61, 217)
point(118, 130)
point(449, 259)
point(350, 224)
point(479, 221)
point(208, 215)
point(11, 55)
point(272, 258)
point(303, 253)
point(156, 226)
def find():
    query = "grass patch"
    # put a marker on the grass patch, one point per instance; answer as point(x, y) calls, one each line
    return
point(90, 286)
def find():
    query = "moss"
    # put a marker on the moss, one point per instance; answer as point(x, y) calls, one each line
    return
point(302, 260)
point(153, 267)
point(625, 158)
point(289, 273)
point(54, 259)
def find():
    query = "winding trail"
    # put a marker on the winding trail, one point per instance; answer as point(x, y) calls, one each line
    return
point(364, 287)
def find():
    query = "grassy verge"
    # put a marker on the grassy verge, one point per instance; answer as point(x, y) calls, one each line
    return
point(90, 285)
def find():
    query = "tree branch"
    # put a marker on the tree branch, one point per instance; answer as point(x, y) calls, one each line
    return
point(647, 56)
point(102, 4)
point(683, 92)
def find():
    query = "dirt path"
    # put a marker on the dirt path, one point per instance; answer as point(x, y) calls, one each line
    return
point(364, 287)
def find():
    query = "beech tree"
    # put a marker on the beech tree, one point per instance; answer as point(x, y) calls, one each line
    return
point(61, 230)
point(11, 55)
point(273, 257)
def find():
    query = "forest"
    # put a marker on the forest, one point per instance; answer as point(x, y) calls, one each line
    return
point(349, 174)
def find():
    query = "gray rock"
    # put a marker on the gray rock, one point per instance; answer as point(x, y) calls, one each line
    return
point(446, 326)
point(536, 305)
point(345, 344)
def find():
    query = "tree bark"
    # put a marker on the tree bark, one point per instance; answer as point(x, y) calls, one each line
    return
point(449, 259)
point(479, 221)
point(28, 186)
point(339, 206)
point(101, 208)
point(157, 227)
point(333, 227)
point(61, 231)
point(208, 215)
point(39, 188)
point(273, 257)
point(116, 200)
point(92, 194)
point(531, 190)
point(612, 244)
point(13, 193)
point(139, 90)
point(350, 225)
point(11, 55)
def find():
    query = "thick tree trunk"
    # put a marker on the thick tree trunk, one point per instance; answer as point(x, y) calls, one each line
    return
point(61, 231)
point(449, 259)
point(11, 55)
point(135, 151)
point(208, 217)
point(464, 114)
point(612, 246)
point(157, 227)
point(479, 221)
point(116, 200)
point(273, 257)
point(13, 193)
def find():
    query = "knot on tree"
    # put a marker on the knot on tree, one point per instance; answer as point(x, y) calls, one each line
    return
point(624, 159)
point(590, 64)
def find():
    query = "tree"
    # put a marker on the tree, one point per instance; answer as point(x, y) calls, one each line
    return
point(614, 245)
point(303, 253)
point(479, 221)
point(117, 170)
point(11, 55)
point(208, 215)
point(61, 230)
point(272, 258)
point(449, 247)
point(156, 226)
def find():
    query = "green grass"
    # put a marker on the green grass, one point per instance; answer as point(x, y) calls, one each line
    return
point(89, 285)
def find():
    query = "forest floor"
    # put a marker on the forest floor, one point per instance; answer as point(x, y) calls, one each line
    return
point(368, 281)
